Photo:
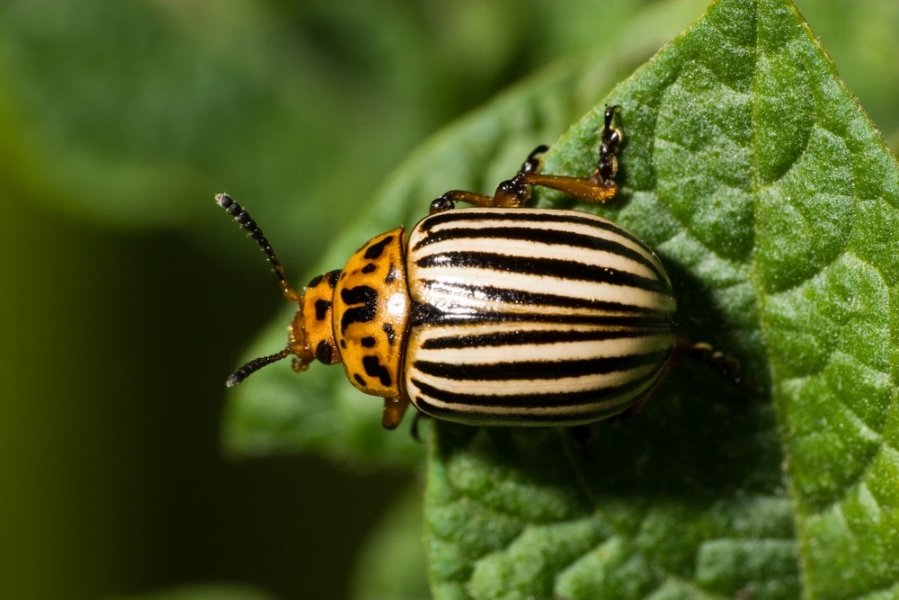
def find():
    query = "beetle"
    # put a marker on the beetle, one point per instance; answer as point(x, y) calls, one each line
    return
point(494, 315)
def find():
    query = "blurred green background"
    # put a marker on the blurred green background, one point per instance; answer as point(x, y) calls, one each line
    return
point(128, 296)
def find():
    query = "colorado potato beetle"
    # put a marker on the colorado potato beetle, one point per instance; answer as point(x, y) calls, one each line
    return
point(494, 315)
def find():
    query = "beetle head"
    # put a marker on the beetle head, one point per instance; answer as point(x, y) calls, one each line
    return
point(309, 335)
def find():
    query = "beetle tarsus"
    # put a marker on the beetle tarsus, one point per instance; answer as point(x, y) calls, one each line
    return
point(532, 163)
point(607, 165)
point(442, 204)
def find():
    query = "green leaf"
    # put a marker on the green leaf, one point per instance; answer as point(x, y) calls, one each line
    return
point(775, 204)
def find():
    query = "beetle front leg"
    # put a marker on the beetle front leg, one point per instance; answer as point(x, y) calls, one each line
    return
point(394, 409)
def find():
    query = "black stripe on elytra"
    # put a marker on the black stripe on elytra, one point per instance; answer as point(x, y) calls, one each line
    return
point(525, 215)
point(527, 401)
point(517, 337)
point(376, 249)
point(425, 314)
point(534, 369)
point(524, 298)
point(541, 267)
point(587, 410)
point(362, 295)
point(555, 237)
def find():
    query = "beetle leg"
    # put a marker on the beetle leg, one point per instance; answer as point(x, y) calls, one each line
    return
point(511, 193)
point(607, 164)
point(394, 409)
point(585, 189)
point(449, 199)
point(725, 364)
point(600, 186)
point(516, 192)
point(414, 430)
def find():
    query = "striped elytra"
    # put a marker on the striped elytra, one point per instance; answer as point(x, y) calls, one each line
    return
point(497, 315)
point(532, 317)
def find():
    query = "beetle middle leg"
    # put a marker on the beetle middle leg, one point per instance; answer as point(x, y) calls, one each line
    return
point(516, 192)
point(600, 186)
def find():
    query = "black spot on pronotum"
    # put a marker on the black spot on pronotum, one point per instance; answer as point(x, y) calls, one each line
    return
point(369, 268)
point(368, 342)
point(315, 281)
point(324, 352)
point(321, 309)
point(391, 274)
point(343, 344)
point(362, 295)
point(376, 249)
point(374, 368)
point(333, 277)
point(391, 333)
point(359, 379)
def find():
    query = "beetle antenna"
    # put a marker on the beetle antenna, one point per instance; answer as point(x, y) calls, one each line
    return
point(254, 365)
point(244, 219)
